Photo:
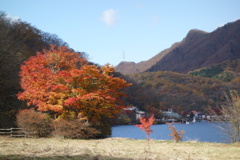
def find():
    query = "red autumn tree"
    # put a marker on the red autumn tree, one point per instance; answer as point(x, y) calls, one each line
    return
point(146, 123)
point(61, 81)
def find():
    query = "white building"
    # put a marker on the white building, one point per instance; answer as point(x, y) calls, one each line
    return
point(171, 114)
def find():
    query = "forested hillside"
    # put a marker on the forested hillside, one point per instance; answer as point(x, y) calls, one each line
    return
point(18, 41)
point(228, 71)
point(210, 61)
point(181, 92)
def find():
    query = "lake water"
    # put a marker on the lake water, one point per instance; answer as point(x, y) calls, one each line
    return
point(203, 132)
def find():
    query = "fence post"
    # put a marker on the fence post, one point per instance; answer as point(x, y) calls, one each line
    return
point(17, 132)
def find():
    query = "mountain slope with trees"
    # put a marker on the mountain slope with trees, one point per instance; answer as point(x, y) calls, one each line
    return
point(228, 71)
point(190, 74)
point(180, 92)
point(18, 41)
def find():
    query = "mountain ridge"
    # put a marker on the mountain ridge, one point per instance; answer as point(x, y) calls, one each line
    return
point(197, 50)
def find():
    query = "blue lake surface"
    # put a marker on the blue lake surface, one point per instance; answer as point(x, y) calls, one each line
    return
point(203, 132)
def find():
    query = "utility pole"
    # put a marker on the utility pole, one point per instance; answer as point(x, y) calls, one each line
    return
point(123, 55)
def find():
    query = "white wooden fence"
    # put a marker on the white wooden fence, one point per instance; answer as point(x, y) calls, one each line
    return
point(13, 132)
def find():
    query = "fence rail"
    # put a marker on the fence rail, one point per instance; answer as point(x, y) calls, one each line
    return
point(13, 132)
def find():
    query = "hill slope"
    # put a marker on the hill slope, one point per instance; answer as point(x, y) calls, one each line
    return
point(180, 92)
point(197, 50)
point(18, 41)
point(227, 71)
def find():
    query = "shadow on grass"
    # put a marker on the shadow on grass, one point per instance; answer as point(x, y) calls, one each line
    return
point(77, 157)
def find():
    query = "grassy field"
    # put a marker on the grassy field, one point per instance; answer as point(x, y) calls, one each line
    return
point(113, 149)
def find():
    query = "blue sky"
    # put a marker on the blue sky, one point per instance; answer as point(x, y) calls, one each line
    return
point(108, 29)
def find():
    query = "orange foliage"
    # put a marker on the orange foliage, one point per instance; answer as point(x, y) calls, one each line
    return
point(146, 123)
point(176, 134)
point(36, 124)
point(61, 81)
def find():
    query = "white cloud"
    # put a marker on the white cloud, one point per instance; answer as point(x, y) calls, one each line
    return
point(109, 17)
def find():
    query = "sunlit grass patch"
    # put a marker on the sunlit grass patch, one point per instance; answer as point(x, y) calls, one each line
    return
point(114, 149)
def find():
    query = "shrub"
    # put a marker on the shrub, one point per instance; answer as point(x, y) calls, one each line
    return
point(176, 134)
point(104, 129)
point(73, 128)
point(36, 124)
point(229, 116)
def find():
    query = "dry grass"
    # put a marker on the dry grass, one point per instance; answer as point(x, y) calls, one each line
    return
point(113, 149)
